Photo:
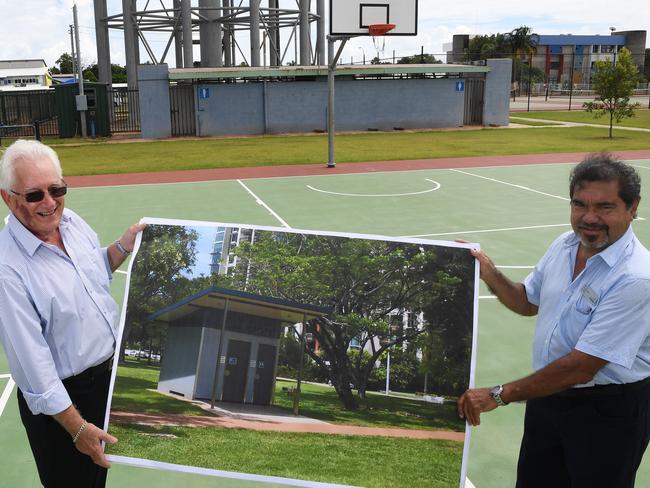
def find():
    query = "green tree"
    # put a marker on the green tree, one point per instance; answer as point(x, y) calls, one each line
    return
point(365, 284)
point(488, 47)
point(614, 85)
point(159, 277)
point(65, 64)
point(419, 59)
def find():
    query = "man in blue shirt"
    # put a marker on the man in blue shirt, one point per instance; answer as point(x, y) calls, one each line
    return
point(58, 321)
point(587, 420)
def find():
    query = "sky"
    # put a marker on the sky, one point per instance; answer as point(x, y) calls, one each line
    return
point(38, 29)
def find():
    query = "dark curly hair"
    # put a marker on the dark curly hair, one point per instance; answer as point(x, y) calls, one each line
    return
point(605, 167)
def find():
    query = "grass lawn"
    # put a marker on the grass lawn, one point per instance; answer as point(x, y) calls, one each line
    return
point(135, 381)
point(321, 402)
point(103, 158)
point(373, 462)
point(515, 120)
point(641, 118)
point(131, 392)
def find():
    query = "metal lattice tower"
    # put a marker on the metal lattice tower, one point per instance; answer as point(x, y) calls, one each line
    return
point(229, 32)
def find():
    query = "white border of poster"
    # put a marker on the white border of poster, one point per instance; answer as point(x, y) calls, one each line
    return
point(151, 464)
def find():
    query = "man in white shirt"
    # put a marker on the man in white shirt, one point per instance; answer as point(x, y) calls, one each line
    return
point(58, 321)
point(587, 413)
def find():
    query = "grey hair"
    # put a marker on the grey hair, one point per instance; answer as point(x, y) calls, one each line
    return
point(21, 152)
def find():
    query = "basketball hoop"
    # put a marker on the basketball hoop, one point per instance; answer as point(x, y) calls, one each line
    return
point(379, 30)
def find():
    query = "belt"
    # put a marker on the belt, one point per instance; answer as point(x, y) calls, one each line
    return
point(92, 371)
point(604, 390)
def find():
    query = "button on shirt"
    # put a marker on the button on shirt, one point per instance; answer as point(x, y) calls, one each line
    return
point(604, 312)
point(57, 317)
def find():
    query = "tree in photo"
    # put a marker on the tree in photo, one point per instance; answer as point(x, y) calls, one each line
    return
point(614, 84)
point(159, 277)
point(369, 286)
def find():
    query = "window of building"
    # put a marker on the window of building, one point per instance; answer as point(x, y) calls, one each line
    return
point(595, 48)
point(607, 49)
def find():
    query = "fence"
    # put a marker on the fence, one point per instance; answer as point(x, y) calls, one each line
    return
point(21, 111)
point(124, 110)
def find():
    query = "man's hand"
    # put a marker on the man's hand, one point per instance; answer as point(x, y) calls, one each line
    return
point(128, 238)
point(487, 266)
point(118, 251)
point(89, 443)
point(474, 402)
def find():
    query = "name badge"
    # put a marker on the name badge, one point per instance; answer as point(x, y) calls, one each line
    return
point(590, 294)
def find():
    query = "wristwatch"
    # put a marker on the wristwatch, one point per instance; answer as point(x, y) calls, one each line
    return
point(496, 394)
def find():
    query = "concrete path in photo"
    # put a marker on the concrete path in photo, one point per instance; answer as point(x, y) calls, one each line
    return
point(275, 426)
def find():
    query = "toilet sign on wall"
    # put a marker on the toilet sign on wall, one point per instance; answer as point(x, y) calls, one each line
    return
point(460, 86)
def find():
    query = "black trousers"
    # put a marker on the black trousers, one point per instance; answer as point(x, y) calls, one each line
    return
point(59, 463)
point(585, 439)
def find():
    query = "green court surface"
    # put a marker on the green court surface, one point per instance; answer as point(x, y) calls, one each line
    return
point(513, 212)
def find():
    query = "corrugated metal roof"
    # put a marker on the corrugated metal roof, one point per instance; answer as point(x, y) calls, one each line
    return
point(10, 72)
point(23, 63)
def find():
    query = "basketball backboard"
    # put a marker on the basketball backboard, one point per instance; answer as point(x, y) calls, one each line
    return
point(352, 17)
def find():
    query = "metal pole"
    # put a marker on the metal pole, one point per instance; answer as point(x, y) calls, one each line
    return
point(210, 39)
point(255, 32)
point(573, 64)
point(331, 121)
point(130, 47)
point(530, 72)
point(188, 48)
point(103, 46)
point(305, 34)
point(178, 34)
point(387, 373)
point(82, 113)
point(296, 394)
point(320, 33)
point(219, 351)
point(72, 50)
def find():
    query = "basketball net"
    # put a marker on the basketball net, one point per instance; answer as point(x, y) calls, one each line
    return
point(378, 34)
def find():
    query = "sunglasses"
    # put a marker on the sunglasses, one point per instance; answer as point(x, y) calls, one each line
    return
point(38, 195)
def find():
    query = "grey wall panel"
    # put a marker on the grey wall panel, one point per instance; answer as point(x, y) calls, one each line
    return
point(231, 108)
point(207, 363)
point(497, 92)
point(179, 361)
point(155, 115)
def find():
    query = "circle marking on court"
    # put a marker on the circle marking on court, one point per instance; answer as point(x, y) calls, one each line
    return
point(435, 187)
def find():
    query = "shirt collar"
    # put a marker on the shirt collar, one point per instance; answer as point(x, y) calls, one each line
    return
point(28, 241)
point(612, 253)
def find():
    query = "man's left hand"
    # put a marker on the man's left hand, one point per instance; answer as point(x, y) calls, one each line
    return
point(474, 402)
point(128, 238)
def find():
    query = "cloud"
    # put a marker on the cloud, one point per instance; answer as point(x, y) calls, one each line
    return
point(39, 28)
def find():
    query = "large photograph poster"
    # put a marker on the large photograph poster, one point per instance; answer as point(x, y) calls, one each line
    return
point(295, 358)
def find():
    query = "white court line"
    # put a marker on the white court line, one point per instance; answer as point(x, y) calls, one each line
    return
point(121, 271)
point(639, 166)
point(436, 187)
point(3, 376)
point(484, 297)
point(502, 266)
point(521, 187)
point(482, 231)
point(6, 394)
point(260, 202)
point(469, 484)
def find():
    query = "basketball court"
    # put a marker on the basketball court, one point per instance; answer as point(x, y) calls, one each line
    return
point(514, 210)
